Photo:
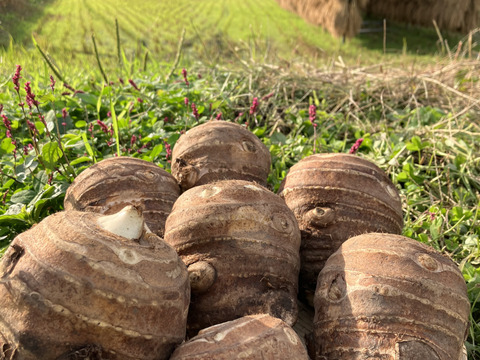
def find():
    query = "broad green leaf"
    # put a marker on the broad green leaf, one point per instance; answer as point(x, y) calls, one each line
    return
point(51, 153)
point(50, 119)
point(23, 197)
point(156, 151)
point(39, 181)
point(40, 127)
point(278, 138)
point(172, 139)
point(6, 146)
point(12, 220)
point(80, 124)
point(88, 99)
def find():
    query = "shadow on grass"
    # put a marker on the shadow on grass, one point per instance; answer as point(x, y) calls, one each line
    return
point(406, 39)
point(18, 19)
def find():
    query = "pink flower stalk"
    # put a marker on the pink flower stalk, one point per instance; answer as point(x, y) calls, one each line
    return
point(30, 97)
point(52, 83)
point(66, 86)
point(90, 129)
point(109, 114)
point(312, 114)
point(219, 116)
point(103, 126)
point(133, 84)
point(253, 108)
point(356, 146)
point(132, 140)
point(32, 127)
point(268, 96)
point(7, 123)
point(1, 108)
point(184, 73)
point(195, 111)
point(165, 119)
point(239, 116)
point(64, 113)
point(185, 101)
point(140, 100)
point(144, 146)
point(168, 149)
point(121, 81)
point(199, 75)
point(16, 78)
point(4, 197)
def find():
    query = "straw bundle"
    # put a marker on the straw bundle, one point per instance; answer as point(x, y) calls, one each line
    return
point(343, 17)
point(455, 15)
point(339, 17)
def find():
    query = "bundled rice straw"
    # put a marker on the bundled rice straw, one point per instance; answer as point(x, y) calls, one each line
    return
point(343, 17)
point(339, 17)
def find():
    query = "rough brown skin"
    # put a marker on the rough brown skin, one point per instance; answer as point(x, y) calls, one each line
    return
point(385, 296)
point(246, 241)
point(70, 290)
point(219, 150)
point(335, 197)
point(255, 337)
point(111, 184)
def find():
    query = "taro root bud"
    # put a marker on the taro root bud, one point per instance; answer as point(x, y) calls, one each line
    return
point(114, 183)
point(385, 296)
point(254, 337)
point(335, 197)
point(219, 150)
point(240, 243)
point(91, 284)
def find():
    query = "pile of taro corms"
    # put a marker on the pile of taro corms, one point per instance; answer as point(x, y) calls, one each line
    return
point(207, 263)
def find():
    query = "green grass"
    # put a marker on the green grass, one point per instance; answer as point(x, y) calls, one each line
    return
point(213, 30)
point(415, 106)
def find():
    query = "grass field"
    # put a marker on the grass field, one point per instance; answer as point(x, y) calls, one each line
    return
point(214, 30)
point(415, 105)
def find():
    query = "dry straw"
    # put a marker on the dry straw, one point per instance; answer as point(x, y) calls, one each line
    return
point(344, 17)
point(339, 17)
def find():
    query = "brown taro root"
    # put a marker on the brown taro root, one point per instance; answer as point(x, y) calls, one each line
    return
point(114, 183)
point(219, 150)
point(254, 337)
point(240, 243)
point(384, 296)
point(335, 197)
point(98, 285)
